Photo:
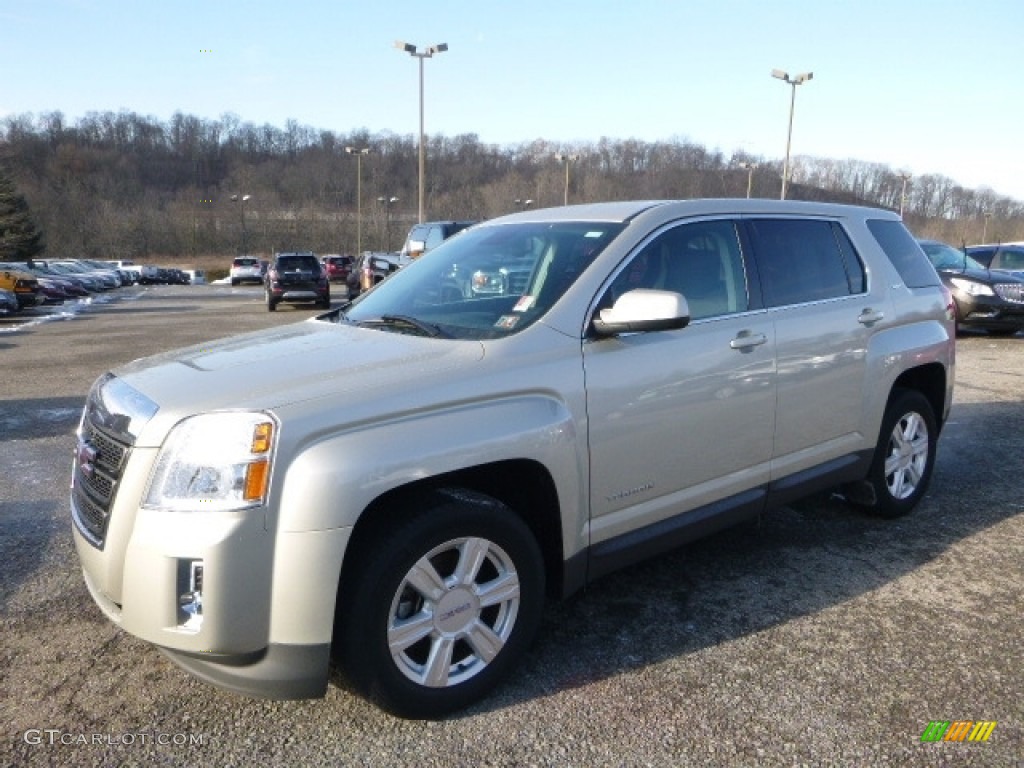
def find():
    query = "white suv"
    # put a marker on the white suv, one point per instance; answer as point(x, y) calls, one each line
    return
point(401, 481)
point(246, 269)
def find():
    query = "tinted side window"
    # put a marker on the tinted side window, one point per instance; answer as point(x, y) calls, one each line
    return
point(1011, 259)
point(702, 261)
point(800, 260)
point(904, 253)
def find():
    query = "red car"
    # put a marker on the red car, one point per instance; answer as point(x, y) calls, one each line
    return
point(338, 268)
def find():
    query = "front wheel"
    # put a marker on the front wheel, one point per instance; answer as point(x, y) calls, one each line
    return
point(905, 454)
point(437, 605)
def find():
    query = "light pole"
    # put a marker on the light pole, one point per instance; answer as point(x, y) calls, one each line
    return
point(793, 82)
point(241, 199)
point(749, 168)
point(426, 53)
point(387, 201)
point(984, 228)
point(566, 159)
point(359, 152)
point(903, 192)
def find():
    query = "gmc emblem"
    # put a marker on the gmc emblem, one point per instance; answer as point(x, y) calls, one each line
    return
point(86, 457)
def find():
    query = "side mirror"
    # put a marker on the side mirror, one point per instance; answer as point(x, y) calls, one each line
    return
point(416, 248)
point(643, 310)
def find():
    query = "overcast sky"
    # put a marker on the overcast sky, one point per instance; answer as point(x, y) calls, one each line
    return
point(925, 86)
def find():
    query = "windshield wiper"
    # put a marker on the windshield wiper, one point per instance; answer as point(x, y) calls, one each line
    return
point(405, 321)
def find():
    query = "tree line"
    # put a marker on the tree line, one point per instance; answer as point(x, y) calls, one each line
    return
point(119, 185)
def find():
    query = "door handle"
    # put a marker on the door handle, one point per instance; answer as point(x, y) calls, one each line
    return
point(745, 341)
point(869, 316)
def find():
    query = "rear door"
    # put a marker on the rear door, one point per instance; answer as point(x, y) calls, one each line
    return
point(824, 314)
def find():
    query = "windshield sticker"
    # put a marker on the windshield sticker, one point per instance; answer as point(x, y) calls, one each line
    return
point(525, 303)
point(507, 322)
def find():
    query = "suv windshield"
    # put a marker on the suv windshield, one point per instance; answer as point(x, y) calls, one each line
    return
point(489, 282)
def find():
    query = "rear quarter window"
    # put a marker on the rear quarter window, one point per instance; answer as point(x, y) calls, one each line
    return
point(905, 254)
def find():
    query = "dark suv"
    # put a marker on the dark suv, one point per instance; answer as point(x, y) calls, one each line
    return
point(297, 278)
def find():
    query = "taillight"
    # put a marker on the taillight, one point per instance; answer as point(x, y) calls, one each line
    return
point(950, 305)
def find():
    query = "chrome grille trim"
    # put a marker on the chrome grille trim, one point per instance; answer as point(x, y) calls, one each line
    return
point(1010, 292)
point(114, 412)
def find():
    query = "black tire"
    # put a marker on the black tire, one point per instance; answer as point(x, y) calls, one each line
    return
point(435, 534)
point(271, 303)
point(905, 455)
point(234, 282)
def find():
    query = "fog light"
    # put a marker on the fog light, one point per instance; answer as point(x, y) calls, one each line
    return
point(190, 595)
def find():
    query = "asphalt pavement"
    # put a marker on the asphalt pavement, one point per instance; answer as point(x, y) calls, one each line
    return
point(813, 636)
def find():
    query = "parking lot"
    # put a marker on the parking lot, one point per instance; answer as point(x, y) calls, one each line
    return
point(815, 635)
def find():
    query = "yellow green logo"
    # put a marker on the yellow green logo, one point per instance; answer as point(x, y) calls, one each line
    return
point(958, 730)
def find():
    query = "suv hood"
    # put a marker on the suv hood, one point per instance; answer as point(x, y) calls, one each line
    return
point(267, 370)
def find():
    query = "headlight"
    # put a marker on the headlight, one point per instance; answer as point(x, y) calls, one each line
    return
point(215, 461)
point(971, 287)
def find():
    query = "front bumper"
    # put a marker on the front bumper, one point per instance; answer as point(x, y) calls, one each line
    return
point(277, 672)
point(988, 312)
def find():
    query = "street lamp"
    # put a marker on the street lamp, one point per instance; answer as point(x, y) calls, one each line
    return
point(749, 168)
point(421, 55)
point(794, 82)
point(359, 152)
point(387, 201)
point(241, 199)
point(566, 159)
point(524, 203)
point(903, 194)
point(984, 229)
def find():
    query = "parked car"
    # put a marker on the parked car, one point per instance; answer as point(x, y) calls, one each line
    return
point(22, 284)
point(372, 268)
point(246, 269)
point(338, 268)
point(430, 234)
point(403, 481)
point(8, 302)
point(984, 299)
point(99, 280)
point(1006, 258)
point(71, 287)
point(297, 278)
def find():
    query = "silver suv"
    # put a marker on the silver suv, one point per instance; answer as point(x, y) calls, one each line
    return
point(634, 375)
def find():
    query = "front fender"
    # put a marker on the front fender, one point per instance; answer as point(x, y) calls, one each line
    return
point(331, 481)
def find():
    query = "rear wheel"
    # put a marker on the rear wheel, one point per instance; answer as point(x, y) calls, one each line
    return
point(905, 454)
point(439, 604)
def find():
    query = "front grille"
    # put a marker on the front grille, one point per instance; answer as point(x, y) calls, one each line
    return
point(1010, 292)
point(115, 414)
point(99, 462)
